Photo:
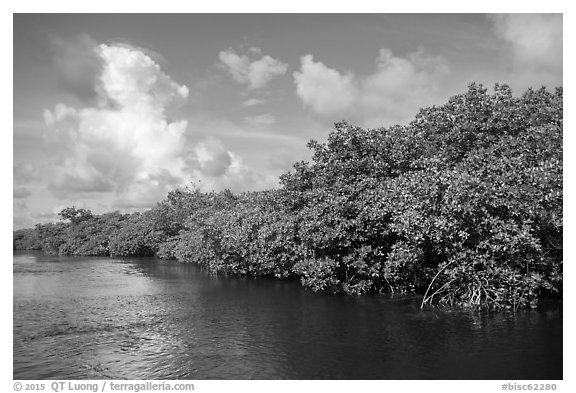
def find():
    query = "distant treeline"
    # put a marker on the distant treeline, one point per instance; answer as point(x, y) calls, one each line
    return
point(463, 205)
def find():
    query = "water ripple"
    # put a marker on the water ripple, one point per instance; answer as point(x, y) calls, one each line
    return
point(99, 318)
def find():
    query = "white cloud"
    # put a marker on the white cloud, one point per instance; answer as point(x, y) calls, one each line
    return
point(255, 73)
point(59, 113)
point(260, 120)
point(213, 167)
point(255, 50)
point(400, 86)
point(212, 157)
point(125, 145)
point(126, 138)
point(132, 79)
point(324, 90)
point(392, 94)
point(237, 177)
point(534, 43)
point(246, 138)
point(253, 102)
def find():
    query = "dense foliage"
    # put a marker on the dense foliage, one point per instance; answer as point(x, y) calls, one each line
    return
point(463, 205)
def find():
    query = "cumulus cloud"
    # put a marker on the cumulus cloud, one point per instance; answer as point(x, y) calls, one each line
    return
point(400, 86)
point(60, 113)
point(126, 138)
point(132, 79)
point(215, 167)
point(393, 93)
point(212, 158)
point(254, 73)
point(253, 102)
point(325, 90)
point(534, 43)
point(125, 145)
point(260, 120)
point(237, 176)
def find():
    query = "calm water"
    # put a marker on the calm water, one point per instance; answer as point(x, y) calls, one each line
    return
point(97, 318)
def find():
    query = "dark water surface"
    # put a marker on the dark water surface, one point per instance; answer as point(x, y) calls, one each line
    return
point(96, 318)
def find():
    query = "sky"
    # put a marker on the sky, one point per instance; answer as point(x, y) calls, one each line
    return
point(112, 111)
